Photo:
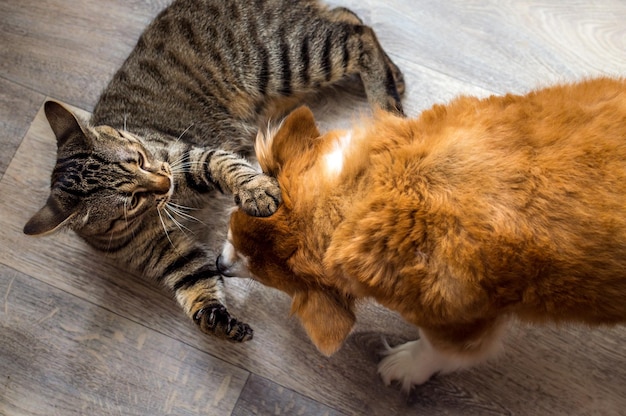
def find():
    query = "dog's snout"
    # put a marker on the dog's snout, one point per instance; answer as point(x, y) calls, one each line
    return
point(222, 265)
point(230, 264)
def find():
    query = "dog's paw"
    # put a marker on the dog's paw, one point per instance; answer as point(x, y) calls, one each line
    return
point(410, 364)
point(260, 197)
point(216, 320)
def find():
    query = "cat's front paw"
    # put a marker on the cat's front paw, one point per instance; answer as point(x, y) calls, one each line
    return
point(260, 197)
point(216, 320)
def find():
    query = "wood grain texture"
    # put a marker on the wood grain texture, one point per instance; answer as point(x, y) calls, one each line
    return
point(18, 106)
point(503, 47)
point(63, 355)
point(70, 50)
point(263, 397)
point(48, 48)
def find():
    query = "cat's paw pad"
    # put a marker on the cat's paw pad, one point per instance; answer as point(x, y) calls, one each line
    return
point(260, 197)
point(216, 320)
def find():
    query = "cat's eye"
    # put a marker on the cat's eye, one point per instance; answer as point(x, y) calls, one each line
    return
point(140, 160)
point(135, 200)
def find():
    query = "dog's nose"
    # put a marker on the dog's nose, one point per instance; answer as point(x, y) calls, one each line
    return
point(219, 263)
point(222, 266)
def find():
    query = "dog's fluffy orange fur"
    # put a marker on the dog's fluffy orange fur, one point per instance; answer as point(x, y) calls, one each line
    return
point(470, 214)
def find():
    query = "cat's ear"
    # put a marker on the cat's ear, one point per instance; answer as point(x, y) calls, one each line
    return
point(295, 136)
point(327, 318)
point(51, 216)
point(64, 123)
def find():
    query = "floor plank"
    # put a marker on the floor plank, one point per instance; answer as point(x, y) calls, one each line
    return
point(18, 106)
point(263, 397)
point(66, 51)
point(63, 355)
point(503, 47)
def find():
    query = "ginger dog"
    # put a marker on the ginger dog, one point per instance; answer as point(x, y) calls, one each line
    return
point(469, 215)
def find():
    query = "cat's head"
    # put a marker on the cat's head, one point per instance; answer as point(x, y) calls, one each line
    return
point(282, 251)
point(104, 179)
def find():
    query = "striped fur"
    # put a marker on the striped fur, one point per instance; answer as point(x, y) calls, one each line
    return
point(177, 122)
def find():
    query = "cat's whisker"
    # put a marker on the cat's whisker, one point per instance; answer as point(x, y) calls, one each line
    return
point(181, 171)
point(108, 248)
point(181, 159)
point(183, 214)
point(177, 211)
point(183, 207)
point(126, 219)
point(185, 131)
point(165, 229)
point(177, 161)
point(178, 224)
point(180, 166)
point(183, 167)
point(126, 213)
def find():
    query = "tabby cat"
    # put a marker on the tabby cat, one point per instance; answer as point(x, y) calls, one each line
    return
point(176, 123)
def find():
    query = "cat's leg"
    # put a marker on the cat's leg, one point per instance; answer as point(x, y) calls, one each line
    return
point(415, 362)
point(188, 269)
point(346, 15)
point(162, 251)
point(202, 301)
point(343, 14)
point(397, 75)
point(255, 193)
point(382, 79)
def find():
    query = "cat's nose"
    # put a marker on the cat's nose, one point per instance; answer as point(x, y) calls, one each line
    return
point(159, 184)
point(163, 185)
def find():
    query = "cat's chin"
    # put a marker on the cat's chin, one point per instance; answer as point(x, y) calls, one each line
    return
point(162, 203)
point(164, 200)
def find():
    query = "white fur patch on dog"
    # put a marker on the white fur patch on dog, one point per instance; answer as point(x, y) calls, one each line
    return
point(415, 362)
point(333, 161)
point(411, 363)
point(231, 263)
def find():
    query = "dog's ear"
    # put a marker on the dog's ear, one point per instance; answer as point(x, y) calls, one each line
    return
point(327, 318)
point(295, 136)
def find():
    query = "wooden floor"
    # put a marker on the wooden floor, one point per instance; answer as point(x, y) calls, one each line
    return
point(80, 336)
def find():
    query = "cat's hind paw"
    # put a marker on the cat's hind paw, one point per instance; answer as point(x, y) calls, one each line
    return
point(260, 197)
point(216, 320)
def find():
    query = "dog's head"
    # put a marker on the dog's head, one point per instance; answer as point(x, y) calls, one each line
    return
point(285, 250)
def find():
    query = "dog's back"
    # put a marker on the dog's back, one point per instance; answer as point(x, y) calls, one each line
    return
point(471, 213)
point(505, 204)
